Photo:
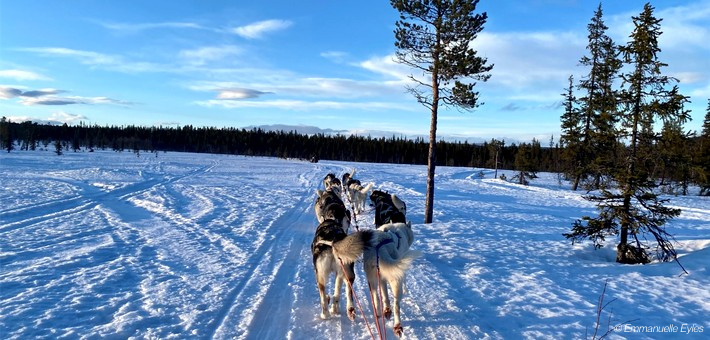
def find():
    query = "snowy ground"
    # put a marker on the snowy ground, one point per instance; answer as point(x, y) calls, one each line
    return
point(104, 244)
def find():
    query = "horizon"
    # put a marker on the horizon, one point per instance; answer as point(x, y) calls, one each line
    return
point(326, 66)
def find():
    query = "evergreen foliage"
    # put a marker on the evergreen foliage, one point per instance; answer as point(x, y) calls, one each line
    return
point(702, 163)
point(633, 209)
point(571, 138)
point(257, 142)
point(526, 161)
point(434, 38)
point(6, 139)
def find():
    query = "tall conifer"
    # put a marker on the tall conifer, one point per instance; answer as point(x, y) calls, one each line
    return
point(633, 210)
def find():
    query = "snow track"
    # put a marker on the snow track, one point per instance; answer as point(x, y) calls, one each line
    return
point(108, 245)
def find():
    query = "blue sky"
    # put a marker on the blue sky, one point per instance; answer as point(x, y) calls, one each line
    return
point(315, 63)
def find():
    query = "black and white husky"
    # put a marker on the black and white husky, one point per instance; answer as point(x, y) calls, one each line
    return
point(328, 180)
point(386, 248)
point(328, 205)
point(325, 263)
point(388, 208)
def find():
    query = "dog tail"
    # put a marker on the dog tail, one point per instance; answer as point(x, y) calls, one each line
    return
point(396, 268)
point(351, 247)
point(367, 188)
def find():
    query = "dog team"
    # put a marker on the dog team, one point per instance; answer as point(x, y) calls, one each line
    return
point(385, 251)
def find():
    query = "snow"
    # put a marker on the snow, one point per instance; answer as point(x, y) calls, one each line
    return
point(183, 245)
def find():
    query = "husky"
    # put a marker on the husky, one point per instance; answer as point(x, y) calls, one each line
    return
point(328, 180)
point(324, 263)
point(388, 208)
point(346, 178)
point(328, 205)
point(386, 253)
point(357, 194)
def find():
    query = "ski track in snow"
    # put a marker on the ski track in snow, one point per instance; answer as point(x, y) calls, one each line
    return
point(218, 247)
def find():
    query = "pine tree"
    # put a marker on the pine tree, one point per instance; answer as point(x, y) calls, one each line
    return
point(434, 38)
point(634, 210)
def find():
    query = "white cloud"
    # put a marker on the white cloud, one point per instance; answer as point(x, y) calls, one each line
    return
point(65, 117)
point(258, 29)
point(239, 94)
point(301, 105)
point(702, 92)
point(108, 61)
point(57, 117)
point(335, 56)
point(387, 66)
point(69, 100)
point(126, 27)
point(531, 60)
point(22, 75)
point(203, 55)
point(287, 84)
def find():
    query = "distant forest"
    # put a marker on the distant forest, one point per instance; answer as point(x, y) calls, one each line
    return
point(529, 157)
point(257, 142)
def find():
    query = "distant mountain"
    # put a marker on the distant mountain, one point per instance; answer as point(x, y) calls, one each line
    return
point(312, 130)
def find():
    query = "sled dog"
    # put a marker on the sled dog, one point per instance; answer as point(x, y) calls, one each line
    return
point(388, 208)
point(328, 205)
point(357, 194)
point(328, 180)
point(388, 246)
point(325, 263)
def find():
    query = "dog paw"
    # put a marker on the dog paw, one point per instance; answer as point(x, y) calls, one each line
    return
point(351, 313)
point(325, 315)
point(398, 330)
point(388, 313)
point(334, 309)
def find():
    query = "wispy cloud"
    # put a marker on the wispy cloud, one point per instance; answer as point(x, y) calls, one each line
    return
point(57, 117)
point(66, 117)
point(259, 29)
point(388, 67)
point(70, 100)
point(335, 56)
point(203, 55)
point(50, 97)
point(288, 84)
point(301, 105)
point(137, 27)
point(7, 92)
point(95, 59)
point(240, 94)
point(22, 75)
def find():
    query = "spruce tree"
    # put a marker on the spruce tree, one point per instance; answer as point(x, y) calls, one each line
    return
point(600, 103)
point(434, 38)
point(6, 138)
point(703, 156)
point(526, 162)
point(571, 137)
point(634, 210)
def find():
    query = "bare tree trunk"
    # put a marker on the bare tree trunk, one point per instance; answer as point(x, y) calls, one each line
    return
point(575, 184)
point(429, 208)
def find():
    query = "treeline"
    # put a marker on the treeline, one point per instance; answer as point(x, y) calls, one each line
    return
point(257, 142)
